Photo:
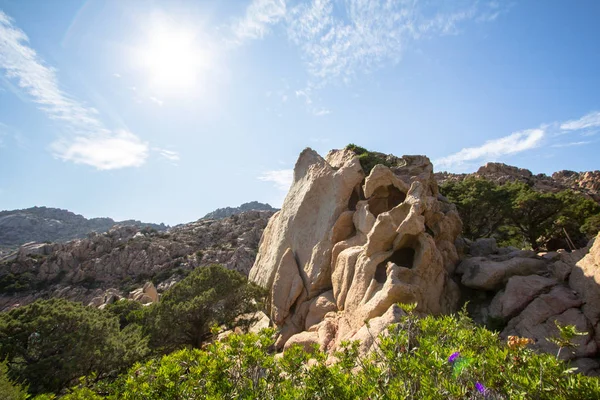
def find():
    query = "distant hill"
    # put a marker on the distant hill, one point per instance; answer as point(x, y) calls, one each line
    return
point(220, 213)
point(586, 183)
point(45, 224)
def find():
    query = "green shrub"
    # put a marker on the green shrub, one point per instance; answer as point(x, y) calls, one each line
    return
point(207, 296)
point(10, 390)
point(368, 159)
point(50, 343)
point(429, 358)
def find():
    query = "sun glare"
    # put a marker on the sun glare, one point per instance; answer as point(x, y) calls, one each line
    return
point(172, 58)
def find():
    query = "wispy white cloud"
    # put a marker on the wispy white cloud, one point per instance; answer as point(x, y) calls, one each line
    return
point(550, 135)
point(157, 101)
point(282, 178)
point(493, 149)
point(590, 120)
point(88, 142)
point(260, 15)
point(168, 154)
point(571, 144)
point(341, 40)
point(105, 150)
point(117, 75)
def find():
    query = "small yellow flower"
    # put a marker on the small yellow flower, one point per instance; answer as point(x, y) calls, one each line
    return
point(515, 342)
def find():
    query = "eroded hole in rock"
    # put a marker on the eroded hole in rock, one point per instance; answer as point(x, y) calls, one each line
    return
point(353, 201)
point(356, 196)
point(404, 257)
point(380, 272)
point(384, 199)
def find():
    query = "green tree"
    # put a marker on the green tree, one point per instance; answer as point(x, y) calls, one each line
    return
point(209, 295)
point(577, 218)
point(50, 343)
point(591, 227)
point(483, 205)
point(533, 213)
point(129, 312)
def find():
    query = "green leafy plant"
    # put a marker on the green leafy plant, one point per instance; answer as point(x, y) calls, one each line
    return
point(444, 357)
point(50, 343)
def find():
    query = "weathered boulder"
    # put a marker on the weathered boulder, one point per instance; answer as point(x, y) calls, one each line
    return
point(483, 247)
point(537, 321)
point(485, 274)
point(519, 292)
point(145, 295)
point(345, 248)
point(585, 279)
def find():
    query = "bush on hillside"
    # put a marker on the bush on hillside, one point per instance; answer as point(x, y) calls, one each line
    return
point(50, 343)
point(211, 295)
point(429, 358)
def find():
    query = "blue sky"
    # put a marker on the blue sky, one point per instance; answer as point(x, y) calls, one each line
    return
point(163, 111)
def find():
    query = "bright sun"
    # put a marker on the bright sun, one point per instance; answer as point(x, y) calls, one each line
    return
point(172, 59)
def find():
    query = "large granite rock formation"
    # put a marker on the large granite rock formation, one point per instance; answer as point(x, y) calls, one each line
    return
point(346, 247)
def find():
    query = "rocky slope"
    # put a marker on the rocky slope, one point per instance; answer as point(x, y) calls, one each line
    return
point(44, 224)
point(127, 256)
point(587, 182)
point(229, 211)
point(347, 246)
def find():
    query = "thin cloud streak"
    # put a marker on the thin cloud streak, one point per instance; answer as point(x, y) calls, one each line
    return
point(493, 149)
point(89, 139)
point(168, 154)
point(571, 144)
point(590, 120)
point(282, 179)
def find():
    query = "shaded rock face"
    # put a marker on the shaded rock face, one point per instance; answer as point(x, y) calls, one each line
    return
point(126, 257)
point(345, 248)
point(40, 224)
point(587, 183)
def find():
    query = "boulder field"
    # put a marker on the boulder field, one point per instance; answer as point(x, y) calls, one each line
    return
point(350, 243)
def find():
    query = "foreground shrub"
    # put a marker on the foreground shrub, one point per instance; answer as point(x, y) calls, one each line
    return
point(430, 358)
point(50, 343)
point(10, 390)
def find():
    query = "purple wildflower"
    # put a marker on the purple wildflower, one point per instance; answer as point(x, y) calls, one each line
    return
point(453, 357)
point(480, 388)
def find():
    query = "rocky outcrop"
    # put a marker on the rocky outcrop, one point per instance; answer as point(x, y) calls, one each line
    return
point(587, 183)
point(126, 257)
point(43, 224)
point(526, 294)
point(346, 247)
point(225, 212)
